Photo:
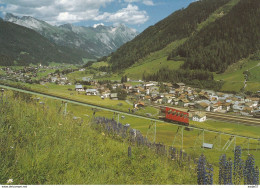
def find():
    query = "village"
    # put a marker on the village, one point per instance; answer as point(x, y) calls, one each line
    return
point(140, 93)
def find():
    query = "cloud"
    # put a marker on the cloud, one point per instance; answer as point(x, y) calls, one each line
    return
point(96, 25)
point(130, 15)
point(146, 2)
point(56, 11)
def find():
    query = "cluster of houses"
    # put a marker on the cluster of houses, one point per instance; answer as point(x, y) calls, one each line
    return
point(181, 96)
point(30, 74)
point(97, 89)
point(27, 74)
point(146, 93)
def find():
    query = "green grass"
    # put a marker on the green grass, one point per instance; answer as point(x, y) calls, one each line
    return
point(96, 100)
point(253, 86)
point(254, 73)
point(232, 86)
point(78, 75)
point(40, 146)
point(44, 74)
point(151, 63)
point(99, 64)
point(62, 129)
point(222, 11)
point(234, 77)
point(2, 72)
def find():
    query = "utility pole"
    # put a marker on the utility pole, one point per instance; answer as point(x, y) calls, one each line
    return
point(182, 138)
point(203, 139)
point(234, 143)
point(65, 110)
point(248, 146)
point(154, 132)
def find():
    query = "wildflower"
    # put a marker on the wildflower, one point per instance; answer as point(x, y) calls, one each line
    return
point(10, 181)
point(12, 147)
point(103, 134)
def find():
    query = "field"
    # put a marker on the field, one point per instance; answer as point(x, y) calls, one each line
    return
point(63, 91)
point(78, 75)
point(167, 133)
point(63, 152)
point(99, 64)
point(218, 14)
point(39, 147)
point(151, 63)
point(234, 77)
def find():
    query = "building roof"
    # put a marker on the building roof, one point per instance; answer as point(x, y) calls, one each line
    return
point(200, 114)
point(203, 104)
point(78, 87)
point(91, 90)
point(113, 95)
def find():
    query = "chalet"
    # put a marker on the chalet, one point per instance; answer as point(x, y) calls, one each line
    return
point(127, 86)
point(182, 102)
point(179, 85)
point(217, 107)
point(248, 109)
point(203, 106)
point(149, 85)
point(79, 88)
point(113, 96)
point(54, 79)
point(91, 92)
point(226, 106)
point(147, 98)
point(138, 105)
point(237, 107)
point(106, 93)
point(172, 92)
point(199, 117)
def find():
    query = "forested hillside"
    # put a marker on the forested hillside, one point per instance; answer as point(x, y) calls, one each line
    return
point(22, 46)
point(180, 24)
point(227, 40)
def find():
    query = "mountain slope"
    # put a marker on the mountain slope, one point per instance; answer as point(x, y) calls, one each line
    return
point(226, 41)
point(22, 46)
point(179, 25)
point(99, 41)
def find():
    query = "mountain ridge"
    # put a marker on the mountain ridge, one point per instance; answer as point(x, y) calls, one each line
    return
point(99, 41)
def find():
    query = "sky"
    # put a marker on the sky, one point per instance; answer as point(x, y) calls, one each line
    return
point(137, 14)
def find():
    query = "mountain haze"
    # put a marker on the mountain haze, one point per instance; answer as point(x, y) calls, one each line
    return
point(98, 41)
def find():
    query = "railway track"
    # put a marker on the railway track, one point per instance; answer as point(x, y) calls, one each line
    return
point(230, 118)
point(238, 119)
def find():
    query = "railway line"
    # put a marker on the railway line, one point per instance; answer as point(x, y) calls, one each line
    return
point(117, 111)
point(230, 118)
point(238, 119)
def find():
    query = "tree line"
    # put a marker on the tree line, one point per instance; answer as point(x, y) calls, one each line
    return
point(195, 78)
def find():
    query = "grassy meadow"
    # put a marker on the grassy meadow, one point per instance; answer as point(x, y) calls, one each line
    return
point(47, 148)
point(234, 77)
point(39, 145)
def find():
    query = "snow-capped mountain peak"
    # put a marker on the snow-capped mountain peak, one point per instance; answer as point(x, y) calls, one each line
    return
point(100, 40)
